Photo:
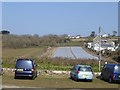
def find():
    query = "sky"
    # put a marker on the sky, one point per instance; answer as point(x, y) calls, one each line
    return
point(72, 18)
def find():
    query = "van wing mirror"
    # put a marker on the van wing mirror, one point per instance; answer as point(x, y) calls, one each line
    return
point(37, 65)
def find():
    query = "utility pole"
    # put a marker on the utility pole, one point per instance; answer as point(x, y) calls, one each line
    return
point(99, 48)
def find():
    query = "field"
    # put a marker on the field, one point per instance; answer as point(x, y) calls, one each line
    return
point(45, 81)
point(74, 52)
point(40, 55)
point(9, 56)
point(25, 52)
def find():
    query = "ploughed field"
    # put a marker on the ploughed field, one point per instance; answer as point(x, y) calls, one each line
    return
point(73, 52)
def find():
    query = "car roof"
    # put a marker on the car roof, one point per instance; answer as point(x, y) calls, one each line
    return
point(112, 64)
point(83, 65)
point(24, 59)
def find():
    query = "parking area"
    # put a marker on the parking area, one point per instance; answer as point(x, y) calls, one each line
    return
point(53, 81)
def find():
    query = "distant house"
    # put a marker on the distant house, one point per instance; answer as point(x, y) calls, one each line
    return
point(72, 37)
point(90, 45)
point(105, 35)
point(77, 37)
point(105, 44)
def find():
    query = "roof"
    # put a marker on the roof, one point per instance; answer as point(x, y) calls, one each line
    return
point(112, 64)
point(23, 59)
point(83, 65)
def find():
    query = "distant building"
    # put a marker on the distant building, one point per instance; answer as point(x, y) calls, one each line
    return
point(72, 37)
point(77, 37)
point(105, 44)
point(105, 35)
point(90, 45)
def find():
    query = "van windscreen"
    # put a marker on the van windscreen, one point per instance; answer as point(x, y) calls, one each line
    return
point(24, 64)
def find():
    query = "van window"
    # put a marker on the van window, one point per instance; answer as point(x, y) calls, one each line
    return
point(117, 69)
point(85, 69)
point(24, 64)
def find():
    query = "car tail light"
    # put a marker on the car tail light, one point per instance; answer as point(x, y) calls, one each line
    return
point(14, 70)
point(114, 76)
point(32, 70)
point(78, 72)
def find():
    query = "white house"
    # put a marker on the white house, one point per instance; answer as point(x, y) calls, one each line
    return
point(90, 45)
point(103, 46)
point(77, 37)
point(105, 35)
point(105, 43)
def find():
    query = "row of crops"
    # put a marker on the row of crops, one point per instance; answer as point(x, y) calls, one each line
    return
point(73, 52)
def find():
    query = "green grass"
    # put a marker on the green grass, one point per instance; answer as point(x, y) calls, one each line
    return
point(54, 67)
point(73, 43)
point(54, 81)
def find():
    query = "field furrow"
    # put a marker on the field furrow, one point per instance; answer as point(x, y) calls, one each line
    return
point(73, 52)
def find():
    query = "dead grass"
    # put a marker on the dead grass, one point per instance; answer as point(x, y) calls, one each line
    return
point(25, 52)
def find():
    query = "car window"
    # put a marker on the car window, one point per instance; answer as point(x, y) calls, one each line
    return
point(117, 69)
point(85, 69)
point(74, 68)
point(24, 64)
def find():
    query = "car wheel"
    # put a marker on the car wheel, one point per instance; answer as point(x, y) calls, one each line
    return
point(110, 80)
point(15, 77)
point(76, 79)
point(101, 77)
point(90, 80)
point(33, 77)
point(71, 76)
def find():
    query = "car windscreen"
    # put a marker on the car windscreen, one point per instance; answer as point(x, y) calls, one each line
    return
point(24, 64)
point(117, 69)
point(85, 69)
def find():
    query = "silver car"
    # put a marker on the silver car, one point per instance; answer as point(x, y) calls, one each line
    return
point(82, 72)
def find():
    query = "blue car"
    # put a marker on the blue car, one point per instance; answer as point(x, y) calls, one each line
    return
point(25, 68)
point(111, 73)
point(82, 72)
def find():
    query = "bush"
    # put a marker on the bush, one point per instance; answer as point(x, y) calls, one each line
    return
point(26, 41)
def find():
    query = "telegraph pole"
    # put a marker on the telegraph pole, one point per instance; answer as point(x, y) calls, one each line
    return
point(99, 48)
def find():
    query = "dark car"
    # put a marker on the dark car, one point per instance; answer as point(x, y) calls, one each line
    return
point(26, 68)
point(111, 72)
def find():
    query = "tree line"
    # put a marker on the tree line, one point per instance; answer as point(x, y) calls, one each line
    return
point(26, 41)
point(93, 34)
